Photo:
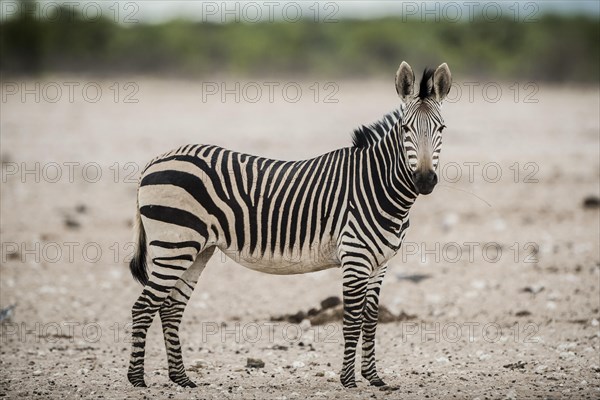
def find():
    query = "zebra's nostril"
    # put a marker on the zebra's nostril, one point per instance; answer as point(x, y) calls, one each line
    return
point(432, 177)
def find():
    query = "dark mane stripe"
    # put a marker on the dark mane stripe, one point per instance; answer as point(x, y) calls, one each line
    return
point(367, 135)
point(426, 86)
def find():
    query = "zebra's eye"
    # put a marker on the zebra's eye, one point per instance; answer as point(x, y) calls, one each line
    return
point(405, 128)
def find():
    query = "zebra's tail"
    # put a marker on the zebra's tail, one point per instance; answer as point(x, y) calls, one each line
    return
point(137, 266)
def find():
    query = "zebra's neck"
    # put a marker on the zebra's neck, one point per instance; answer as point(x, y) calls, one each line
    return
point(398, 192)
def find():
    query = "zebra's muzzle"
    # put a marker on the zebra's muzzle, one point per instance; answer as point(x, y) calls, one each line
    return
point(425, 181)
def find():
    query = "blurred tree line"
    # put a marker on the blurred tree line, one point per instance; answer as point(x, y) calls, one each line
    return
point(554, 48)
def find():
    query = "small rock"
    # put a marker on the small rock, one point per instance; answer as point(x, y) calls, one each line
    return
point(591, 202)
point(327, 316)
point(517, 365)
point(313, 311)
point(7, 313)
point(305, 324)
point(255, 363)
point(199, 363)
point(415, 278)
point(448, 221)
point(37, 372)
point(330, 374)
point(71, 223)
point(478, 284)
point(297, 364)
point(534, 289)
point(297, 318)
point(330, 302)
point(499, 225)
point(522, 313)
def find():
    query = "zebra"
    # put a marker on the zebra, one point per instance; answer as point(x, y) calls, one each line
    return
point(347, 208)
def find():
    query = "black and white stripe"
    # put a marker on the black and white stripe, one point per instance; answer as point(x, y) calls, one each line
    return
point(347, 208)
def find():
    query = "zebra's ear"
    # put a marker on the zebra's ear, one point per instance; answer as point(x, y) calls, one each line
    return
point(442, 81)
point(405, 82)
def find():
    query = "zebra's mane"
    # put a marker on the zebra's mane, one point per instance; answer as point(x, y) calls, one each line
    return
point(426, 86)
point(367, 135)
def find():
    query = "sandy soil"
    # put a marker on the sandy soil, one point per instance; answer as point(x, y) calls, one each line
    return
point(501, 271)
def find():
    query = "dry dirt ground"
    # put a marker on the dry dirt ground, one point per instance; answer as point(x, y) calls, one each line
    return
point(500, 268)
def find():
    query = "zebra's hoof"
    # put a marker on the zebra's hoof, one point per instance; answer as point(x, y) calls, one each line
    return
point(377, 382)
point(183, 381)
point(137, 381)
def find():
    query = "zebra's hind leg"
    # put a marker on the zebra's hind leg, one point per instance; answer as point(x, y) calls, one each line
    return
point(355, 279)
point(370, 316)
point(171, 313)
point(166, 271)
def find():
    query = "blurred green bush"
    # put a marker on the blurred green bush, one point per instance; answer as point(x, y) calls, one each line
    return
point(554, 48)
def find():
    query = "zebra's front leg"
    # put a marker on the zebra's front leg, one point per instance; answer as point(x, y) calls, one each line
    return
point(355, 280)
point(171, 313)
point(370, 316)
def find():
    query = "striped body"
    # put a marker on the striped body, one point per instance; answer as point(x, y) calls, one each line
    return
point(347, 208)
point(273, 216)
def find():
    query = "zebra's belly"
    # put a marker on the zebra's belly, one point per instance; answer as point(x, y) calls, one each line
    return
point(289, 263)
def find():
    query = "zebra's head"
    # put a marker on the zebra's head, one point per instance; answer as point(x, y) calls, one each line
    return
point(422, 122)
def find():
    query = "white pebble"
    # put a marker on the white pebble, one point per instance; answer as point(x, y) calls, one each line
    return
point(478, 284)
point(305, 324)
point(330, 374)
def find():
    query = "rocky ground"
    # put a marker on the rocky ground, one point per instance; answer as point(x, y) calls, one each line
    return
point(494, 295)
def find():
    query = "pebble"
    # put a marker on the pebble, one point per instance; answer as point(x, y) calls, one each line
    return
point(482, 356)
point(199, 363)
point(305, 324)
point(448, 221)
point(591, 202)
point(478, 284)
point(534, 289)
point(255, 363)
point(330, 302)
